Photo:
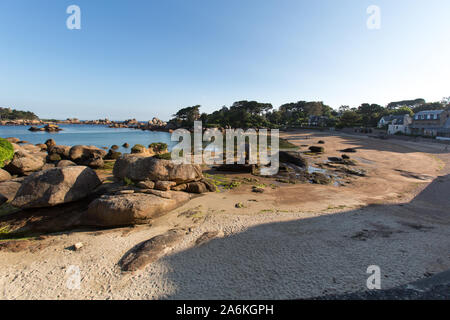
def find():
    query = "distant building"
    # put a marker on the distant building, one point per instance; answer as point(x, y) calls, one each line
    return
point(431, 123)
point(387, 120)
point(400, 124)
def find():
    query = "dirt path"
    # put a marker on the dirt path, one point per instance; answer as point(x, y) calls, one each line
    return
point(292, 242)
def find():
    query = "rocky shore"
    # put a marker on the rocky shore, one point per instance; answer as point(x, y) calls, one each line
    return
point(55, 187)
point(49, 183)
point(52, 126)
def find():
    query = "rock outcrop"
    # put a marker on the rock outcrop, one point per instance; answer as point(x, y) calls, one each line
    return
point(294, 158)
point(148, 168)
point(149, 251)
point(62, 151)
point(134, 208)
point(4, 175)
point(8, 189)
point(56, 186)
point(25, 162)
point(87, 156)
point(65, 163)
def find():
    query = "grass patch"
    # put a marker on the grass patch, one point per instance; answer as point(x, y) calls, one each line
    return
point(221, 181)
point(260, 185)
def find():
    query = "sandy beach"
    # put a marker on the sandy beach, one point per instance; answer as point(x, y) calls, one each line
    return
point(292, 241)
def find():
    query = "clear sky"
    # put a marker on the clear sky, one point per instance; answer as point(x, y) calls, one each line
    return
point(145, 58)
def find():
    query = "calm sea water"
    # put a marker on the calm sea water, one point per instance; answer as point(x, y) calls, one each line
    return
point(96, 135)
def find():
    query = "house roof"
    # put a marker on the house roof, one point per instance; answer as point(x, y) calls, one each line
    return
point(429, 112)
point(391, 117)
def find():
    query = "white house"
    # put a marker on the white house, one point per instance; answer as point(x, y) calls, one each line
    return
point(399, 124)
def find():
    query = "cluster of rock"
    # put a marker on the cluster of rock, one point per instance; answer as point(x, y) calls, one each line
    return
point(46, 128)
point(20, 122)
point(144, 187)
point(153, 125)
point(30, 158)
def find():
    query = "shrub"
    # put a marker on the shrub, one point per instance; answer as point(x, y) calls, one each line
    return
point(6, 151)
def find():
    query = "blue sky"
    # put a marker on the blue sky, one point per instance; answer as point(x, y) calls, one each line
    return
point(143, 58)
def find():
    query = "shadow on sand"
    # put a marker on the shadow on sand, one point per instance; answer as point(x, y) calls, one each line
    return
point(323, 255)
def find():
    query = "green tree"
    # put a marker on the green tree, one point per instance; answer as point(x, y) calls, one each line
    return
point(185, 117)
point(350, 118)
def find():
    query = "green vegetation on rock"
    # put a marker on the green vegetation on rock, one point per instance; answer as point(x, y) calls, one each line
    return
point(158, 147)
point(138, 148)
point(6, 151)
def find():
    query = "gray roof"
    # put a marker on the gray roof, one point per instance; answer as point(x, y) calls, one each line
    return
point(430, 112)
point(391, 117)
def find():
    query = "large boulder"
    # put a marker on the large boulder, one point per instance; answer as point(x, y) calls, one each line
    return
point(317, 149)
point(25, 162)
point(149, 168)
point(135, 208)
point(31, 148)
point(4, 175)
point(294, 158)
point(90, 156)
point(8, 189)
point(13, 139)
point(42, 146)
point(62, 151)
point(196, 187)
point(50, 143)
point(65, 163)
point(56, 186)
point(78, 153)
point(164, 185)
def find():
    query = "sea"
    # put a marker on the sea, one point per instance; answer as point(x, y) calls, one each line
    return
point(100, 136)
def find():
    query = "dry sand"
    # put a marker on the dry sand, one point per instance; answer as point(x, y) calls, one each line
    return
point(295, 241)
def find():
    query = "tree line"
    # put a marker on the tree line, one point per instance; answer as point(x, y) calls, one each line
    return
point(253, 114)
point(13, 114)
